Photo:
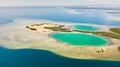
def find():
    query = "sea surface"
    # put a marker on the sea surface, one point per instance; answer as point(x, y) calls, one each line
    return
point(41, 58)
point(91, 16)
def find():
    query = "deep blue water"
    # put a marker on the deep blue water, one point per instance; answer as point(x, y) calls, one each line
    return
point(41, 58)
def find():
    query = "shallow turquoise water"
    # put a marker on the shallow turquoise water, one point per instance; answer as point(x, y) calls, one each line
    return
point(80, 39)
point(86, 28)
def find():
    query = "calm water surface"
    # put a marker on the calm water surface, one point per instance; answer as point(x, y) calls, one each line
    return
point(40, 58)
point(86, 28)
point(80, 39)
point(92, 16)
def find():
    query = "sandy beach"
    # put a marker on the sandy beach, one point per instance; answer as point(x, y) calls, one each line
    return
point(15, 35)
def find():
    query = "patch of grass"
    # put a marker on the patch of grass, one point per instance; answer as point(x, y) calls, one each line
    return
point(81, 31)
point(58, 29)
point(109, 34)
point(116, 30)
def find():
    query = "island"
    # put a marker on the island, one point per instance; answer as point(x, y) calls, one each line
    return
point(37, 34)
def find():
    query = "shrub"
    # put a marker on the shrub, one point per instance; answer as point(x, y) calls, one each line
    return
point(119, 48)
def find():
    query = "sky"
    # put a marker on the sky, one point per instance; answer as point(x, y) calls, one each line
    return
point(58, 2)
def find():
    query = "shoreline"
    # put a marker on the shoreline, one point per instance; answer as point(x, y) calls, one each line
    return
point(102, 37)
point(65, 56)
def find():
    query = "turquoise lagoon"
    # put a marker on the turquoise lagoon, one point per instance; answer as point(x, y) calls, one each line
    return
point(86, 28)
point(80, 39)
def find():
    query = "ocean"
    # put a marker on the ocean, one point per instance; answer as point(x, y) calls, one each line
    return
point(93, 16)
point(42, 58)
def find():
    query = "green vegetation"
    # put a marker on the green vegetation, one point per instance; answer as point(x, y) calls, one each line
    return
point(31, 28)
point(100, 51)
point(82, 31)
point(115, 34)
point(58, 29)
point(116, 30)
point(27, 27)
point(108, 34)
point(119, 48)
